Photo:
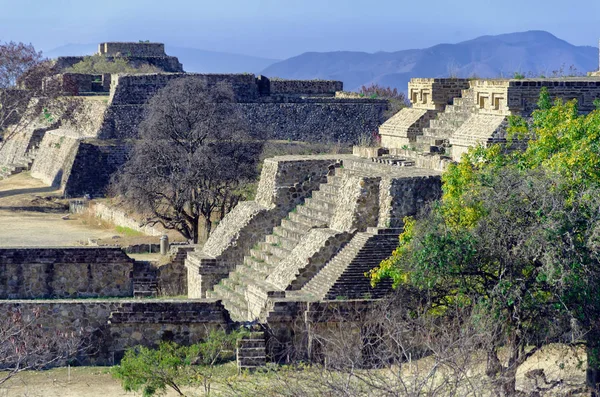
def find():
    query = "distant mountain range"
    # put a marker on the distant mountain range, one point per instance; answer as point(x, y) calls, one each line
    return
point(533, 52)
point(193, 60)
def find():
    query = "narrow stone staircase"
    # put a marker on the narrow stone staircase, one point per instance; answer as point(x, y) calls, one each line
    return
point(251, 351)
point(316, 211)
point(343, 277)
point(145, 280)
point(435, 137)
point(23, 164)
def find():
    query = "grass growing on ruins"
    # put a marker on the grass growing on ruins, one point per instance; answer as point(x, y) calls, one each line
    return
point(129, 232)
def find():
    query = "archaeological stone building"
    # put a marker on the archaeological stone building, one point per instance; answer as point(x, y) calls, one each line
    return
point(300, 248)
point(81, 155)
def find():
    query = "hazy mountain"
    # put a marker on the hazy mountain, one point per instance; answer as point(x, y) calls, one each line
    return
point(193, 60)
point(535, 52)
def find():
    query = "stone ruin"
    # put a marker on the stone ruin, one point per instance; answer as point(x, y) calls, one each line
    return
point(136, 54)
point(302, 247)
point(80, 157)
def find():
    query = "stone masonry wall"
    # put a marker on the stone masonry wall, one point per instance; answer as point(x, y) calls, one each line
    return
point(356, 208)
point(434, 94)
point(108, 327)
point(119, 218)
point(93, 166)
point(55, 158)
point(400, 197)
point(132, 49)
point(30, 273)
point(305, 87)
point(282, 115)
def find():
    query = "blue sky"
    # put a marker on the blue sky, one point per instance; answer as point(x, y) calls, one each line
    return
point(280, 29)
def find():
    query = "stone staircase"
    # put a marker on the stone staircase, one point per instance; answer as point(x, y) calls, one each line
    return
point(145, 280)
point(343, 277)
point(23, 164)
point(251, 351)
point(435, 137)
point(316, 211)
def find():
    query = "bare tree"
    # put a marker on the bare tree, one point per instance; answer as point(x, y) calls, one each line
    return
point(27, 344)
point(16, 60)
point(194, 154)
point(24, 100)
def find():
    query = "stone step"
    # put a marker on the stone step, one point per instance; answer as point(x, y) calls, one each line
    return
point(329, 189)
point(275, 249)
point(281, 242)
point(308, 221)
point(258, 265)
point(288, 233)
point(320, 205)
point(295, 226)
point(323, 215)
point(325, 196)
point(334, 180)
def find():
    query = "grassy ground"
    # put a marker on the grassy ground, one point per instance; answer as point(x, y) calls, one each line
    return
point(559, 363)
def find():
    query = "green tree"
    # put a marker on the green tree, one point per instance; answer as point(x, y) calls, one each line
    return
point(515, 238)
point(99, 64)
point(152, 371)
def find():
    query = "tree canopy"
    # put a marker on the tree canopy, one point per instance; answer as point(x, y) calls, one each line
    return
point(194, 156)
point(99, 64)
point(515, 237)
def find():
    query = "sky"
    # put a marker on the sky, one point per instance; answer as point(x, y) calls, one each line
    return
point(283, 28)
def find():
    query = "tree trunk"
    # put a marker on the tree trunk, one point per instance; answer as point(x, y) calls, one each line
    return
point(593, 362)
point(195, 231)
point(503, 379)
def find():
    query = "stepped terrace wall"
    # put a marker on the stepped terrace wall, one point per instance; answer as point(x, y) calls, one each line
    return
point(286, 110)
point(132, 49)
point(33, 273)
point(108, 327)
point(93, 166)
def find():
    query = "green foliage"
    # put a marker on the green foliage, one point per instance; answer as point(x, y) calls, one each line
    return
point(152, 371)
point(99, 64)
point(518, 76)
point(127, 231)
point(516, 234)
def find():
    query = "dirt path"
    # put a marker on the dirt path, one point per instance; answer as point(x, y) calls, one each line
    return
point(32, 215)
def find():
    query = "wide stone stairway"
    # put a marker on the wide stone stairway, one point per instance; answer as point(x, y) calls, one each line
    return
point(343, 277)
point(436, 136)
point(316, 211)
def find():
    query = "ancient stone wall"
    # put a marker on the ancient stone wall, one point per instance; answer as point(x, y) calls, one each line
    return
point(93, 166)
point(401, 197)
point(305, 87)
point(523, 95)
point(316, 119)
point(434, 94)
point(119, 217)
point(30, 273)
point(138, 89)
point(356, 203)
point(77, 83)
point(55, 158)
point(126, 49)
point(108, 327)
point(281, 115)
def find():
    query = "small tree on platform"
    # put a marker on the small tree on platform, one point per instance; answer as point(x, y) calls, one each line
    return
point(194, 155)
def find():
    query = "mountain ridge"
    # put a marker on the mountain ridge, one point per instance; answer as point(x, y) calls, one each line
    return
point(537, 52)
